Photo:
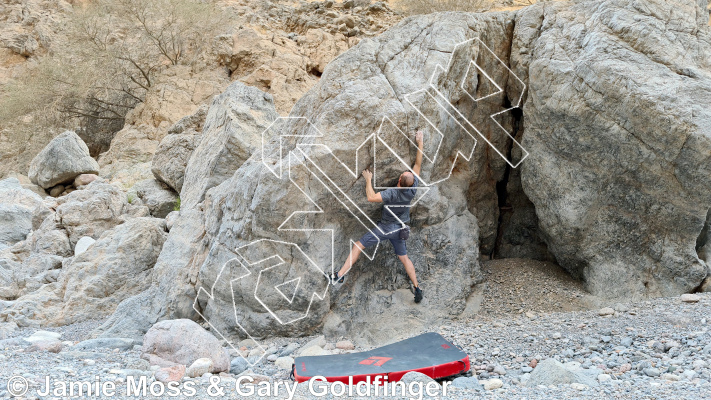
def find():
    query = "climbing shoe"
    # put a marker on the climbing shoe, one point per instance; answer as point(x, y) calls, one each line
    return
point(337, 280)
point(418, 294)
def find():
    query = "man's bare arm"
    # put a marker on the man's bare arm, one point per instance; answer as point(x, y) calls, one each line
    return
point(419, 137)
point(369, 191)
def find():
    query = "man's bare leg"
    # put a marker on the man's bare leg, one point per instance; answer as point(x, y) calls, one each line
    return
point(409, 268)
point(352, 258)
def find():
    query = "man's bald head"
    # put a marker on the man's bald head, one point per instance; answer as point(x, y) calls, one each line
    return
point(407, 179)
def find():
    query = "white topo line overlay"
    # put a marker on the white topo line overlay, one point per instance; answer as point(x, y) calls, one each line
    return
point(299, 156)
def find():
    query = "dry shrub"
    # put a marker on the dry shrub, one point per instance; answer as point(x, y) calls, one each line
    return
point(111, 53)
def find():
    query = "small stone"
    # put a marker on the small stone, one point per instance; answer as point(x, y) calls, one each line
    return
point(289, 349)
point(43, 336)
point(52, 346)
point(313, 351)
point(319, 341)
point(526, 369)
point(329, 346)
point(199, 367)
point(138, 364)
point(625, 368)
point(256, 352)
point(83, 244)
point(653, 372)
point(238, 365)
point(416, 377)
point(603, 312)
point(345, 345)
point(556, 335)
point(533, 363)
point(106, 343)
point(257, 378)
point(466, 383)
point(671, 377)
point(284, 363)
point(84, 179)
point(170, 374)
point(492, 384)
point(690, 298)
point(604, 378)
point(578, 386)
point(499, 370)
point(272, 357)
point(56, 191)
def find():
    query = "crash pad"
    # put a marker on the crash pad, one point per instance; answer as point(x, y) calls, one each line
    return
point(428, 353)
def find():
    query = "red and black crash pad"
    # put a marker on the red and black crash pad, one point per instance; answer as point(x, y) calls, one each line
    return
point(429, 353)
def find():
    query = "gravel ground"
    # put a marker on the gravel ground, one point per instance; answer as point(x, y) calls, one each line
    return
point(515, 286)
point(655, 349)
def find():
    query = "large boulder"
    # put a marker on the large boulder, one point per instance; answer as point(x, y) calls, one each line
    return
point(584, 219)
point(117, 266)
point(172, 292)
point(159, 199)
point(17, 207)
point(62, 160)
point(173, 153)
point(617, 125)
point(92, 211)
point(348, 104)
point(183, 342)
point(92, 284)
point(232, 131)
point(172, 157)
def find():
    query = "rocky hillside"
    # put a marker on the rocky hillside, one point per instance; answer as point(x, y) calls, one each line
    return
point(611, 186)
point(280, 47)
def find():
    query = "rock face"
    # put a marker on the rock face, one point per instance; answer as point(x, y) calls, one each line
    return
point(173, 153)
point(157, 197)
point(172, 157)
point(355, 91)
point(16, 211)
point(118, 265)
point(62, 160)
point(183, 342)
point(172, 292)
point(618, 155)
point(92, 211)
point(232, 132)
point(595, 221)
point(277, 64)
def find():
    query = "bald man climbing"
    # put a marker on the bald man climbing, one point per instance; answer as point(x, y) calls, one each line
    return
point(392, 222)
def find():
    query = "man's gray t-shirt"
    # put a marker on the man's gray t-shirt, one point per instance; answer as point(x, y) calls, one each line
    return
point(397, 197)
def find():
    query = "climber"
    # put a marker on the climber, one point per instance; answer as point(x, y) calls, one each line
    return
point(392, 223)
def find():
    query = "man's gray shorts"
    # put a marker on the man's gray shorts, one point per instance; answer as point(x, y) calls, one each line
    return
point(371, 239)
